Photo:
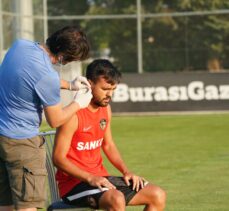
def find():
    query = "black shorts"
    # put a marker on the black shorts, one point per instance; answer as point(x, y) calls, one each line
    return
point(85, 195)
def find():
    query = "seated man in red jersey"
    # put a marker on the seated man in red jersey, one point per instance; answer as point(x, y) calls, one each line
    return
point(81, 176)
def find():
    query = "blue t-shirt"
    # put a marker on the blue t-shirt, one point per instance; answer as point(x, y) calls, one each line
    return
point(28, 83)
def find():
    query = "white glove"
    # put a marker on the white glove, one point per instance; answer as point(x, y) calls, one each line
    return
point(78, 83)
point(83, 97)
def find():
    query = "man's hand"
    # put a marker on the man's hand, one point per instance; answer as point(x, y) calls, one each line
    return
point(100, 182)
point(138, 182)
point(78, 83)
point(83, 97)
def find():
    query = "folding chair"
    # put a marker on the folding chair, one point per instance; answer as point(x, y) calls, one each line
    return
point(55, 202)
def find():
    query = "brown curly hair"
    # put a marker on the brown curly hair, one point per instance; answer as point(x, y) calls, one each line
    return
point(70, 42)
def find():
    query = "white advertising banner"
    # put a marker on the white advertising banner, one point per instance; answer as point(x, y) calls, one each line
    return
point(172, 92)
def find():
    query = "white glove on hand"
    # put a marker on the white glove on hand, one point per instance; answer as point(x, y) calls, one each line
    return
point(78, 83)
point(83, 97)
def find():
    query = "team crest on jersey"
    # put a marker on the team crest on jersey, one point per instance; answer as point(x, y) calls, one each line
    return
point(103, 124)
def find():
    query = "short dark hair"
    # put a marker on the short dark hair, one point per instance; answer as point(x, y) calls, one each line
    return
point(70, 42)
point(104, 68)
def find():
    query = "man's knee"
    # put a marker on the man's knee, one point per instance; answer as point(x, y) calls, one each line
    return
point(113, 199)
point(118, 199)
point(159, 196)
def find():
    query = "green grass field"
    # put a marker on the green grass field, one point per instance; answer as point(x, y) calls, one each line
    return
point(187, 155)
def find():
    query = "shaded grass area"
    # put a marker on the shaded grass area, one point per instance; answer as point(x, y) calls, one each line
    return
point(187, 155)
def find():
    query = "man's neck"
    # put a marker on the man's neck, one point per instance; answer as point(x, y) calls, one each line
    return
point(92, 107)
point(52, 57)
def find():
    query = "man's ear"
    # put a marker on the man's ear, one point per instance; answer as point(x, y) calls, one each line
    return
point(90, 82)
point(60, 59)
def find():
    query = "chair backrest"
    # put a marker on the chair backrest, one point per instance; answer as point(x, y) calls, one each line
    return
point(54, 202)
point(49, 142)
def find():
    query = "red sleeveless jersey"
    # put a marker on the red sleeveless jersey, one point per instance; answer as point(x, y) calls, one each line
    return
point(85, 147)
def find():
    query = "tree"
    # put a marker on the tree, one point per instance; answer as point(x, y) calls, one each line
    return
point(64, 8)
point(186, 43)
point(170, 43)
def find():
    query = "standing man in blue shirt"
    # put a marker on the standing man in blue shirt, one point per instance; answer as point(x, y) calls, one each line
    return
point(28, 86)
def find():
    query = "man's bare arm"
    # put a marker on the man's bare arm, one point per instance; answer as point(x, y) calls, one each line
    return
point(56, 115)
point(112, 153)
point(62, 144)
point(110, 149)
